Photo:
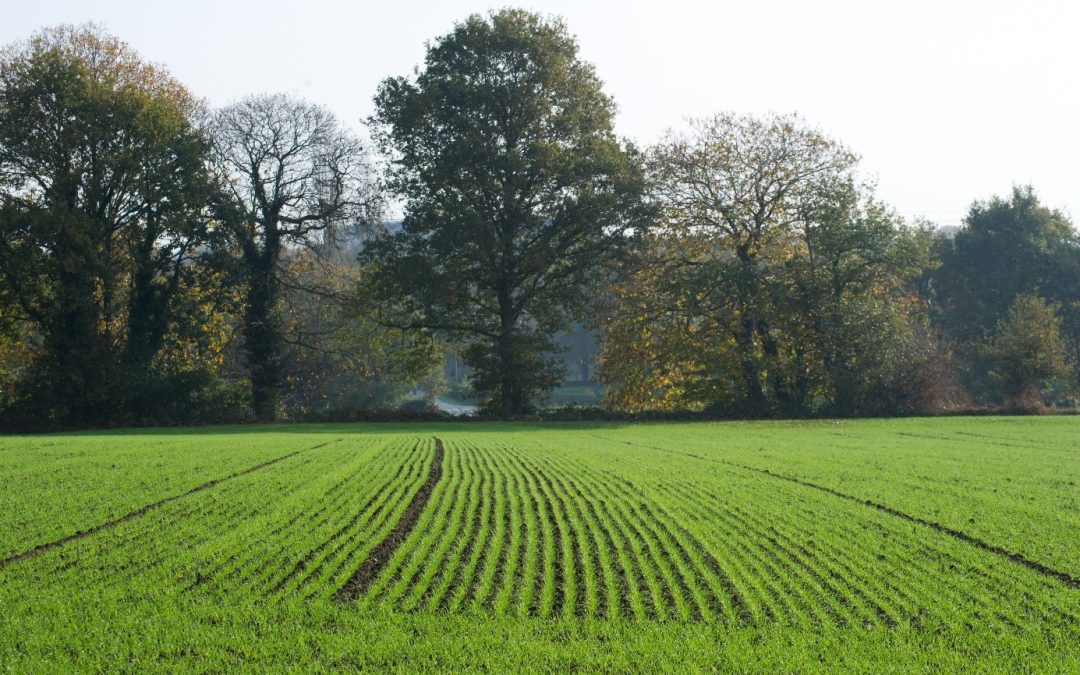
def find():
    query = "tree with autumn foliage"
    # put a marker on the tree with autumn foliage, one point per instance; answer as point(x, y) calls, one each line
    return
point(775, 283)
point(103, 188)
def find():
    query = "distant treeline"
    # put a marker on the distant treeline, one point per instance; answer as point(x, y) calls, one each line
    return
point(166, 263)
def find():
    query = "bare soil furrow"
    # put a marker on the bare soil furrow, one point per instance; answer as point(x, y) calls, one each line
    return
point(713, 605)
point(359, 516)
point(512, 576)
point(629, 574)
point(540, 539)
point(384, 550)
point(686, 586)
point(559, 570)
point(738, 599)
point(674, 556)
point(666, 587)
point(595, 561)
point(499, 576)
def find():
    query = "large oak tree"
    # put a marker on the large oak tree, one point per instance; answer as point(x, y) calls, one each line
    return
point(516, 193)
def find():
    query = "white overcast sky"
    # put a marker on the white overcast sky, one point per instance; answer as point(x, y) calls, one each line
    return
point(947, 101)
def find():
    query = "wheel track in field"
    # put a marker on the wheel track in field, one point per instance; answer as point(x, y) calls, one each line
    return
point(143, 510)
point(985, 440)
point(817, 582)
point(908, 563)
point(149, 534)
point(460, 537)
point(405, 564)
point(402, 567)
point(236, 513)
point(386, 501)
point(809, 562)
point(432, 553)
point(910, 606)
point(379, 556)
point(235, 567)
point(361, 515)
point(1018, 558)
point(1064, 577)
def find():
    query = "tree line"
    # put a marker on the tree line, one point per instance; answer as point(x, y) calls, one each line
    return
point(164, 262)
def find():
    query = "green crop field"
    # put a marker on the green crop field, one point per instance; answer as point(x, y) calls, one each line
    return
point(877, 546)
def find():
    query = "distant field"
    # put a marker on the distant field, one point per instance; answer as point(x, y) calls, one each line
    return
point(878, 546)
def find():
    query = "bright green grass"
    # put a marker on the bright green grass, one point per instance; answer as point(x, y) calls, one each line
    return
point(650, 547)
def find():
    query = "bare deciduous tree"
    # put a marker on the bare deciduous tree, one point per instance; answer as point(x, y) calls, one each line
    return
point(294, 177)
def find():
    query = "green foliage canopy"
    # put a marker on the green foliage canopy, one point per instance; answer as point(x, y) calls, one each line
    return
point(1027, 352)
point(517, 192)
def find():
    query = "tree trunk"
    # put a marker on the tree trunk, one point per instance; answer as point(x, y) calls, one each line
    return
point(262, 334)
point(509, 391)
point(79, 359)
point(756, 401)
point(507, 403)
point(147, 310)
